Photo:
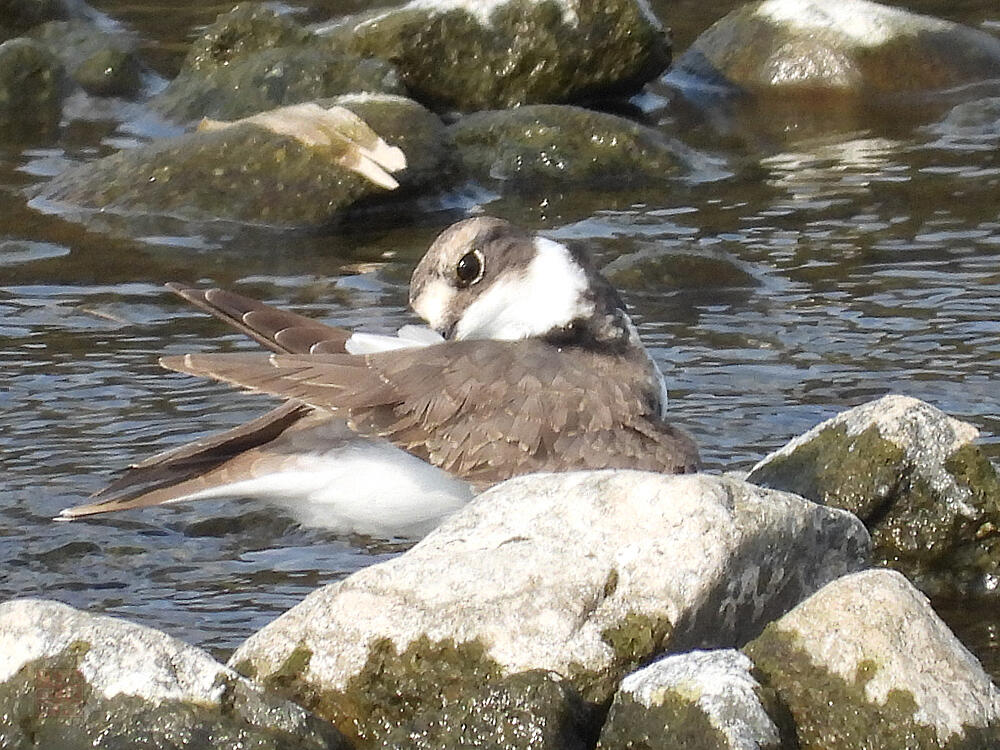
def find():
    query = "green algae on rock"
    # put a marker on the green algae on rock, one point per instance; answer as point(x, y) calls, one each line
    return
point(854, 46)
point(466, 55)
point(543, 143)
point(33, 85)
point(244, 172)
point(929, 497)
point(19, 16)
point(865, 662)
point(101, 62)
point(253, 59)
point(558, 575)
point(700, 700)
point(70, 680)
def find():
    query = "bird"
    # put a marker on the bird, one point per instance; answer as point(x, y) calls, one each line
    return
point(529, 363)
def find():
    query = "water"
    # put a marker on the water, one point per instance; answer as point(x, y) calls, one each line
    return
point(804, 270)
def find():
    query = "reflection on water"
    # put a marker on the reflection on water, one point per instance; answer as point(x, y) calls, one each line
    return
point(823, 271)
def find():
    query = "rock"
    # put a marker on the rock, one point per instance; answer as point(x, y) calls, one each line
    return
point(18, 16)
point(697, 699)
point(854, 46)
point(551, 583)
point(468, 55)
point(72, 680)
point(545, 142)
point(865, 662)
point(252, 60)
point(32, 88)
point(975, 121)
point(249, 172)
point(656, 269)
point(930, 498)
point(102, 63)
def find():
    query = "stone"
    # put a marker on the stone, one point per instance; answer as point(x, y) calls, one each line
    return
point(253, 59)
point(101, 62)
point(855, 46)
point(32, 88)
point(470, 55)
point(696, 699)
point(72, 680)
point(929, 496)
point(249, 172)
point(562, 583)
point(865, 662)
point(19, 16)
point(542, 143)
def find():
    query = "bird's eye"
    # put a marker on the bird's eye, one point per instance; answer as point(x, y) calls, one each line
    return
point(470, 268)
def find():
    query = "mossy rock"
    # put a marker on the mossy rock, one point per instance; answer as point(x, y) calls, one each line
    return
point(514, 53)
point(33, 84)
point(19, 16)
point(102, 63)
point(541, 143)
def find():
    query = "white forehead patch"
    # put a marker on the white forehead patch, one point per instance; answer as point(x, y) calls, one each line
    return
point(548, 294)
point(433, 302)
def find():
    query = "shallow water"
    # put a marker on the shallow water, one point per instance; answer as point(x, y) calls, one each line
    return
point(804, 268)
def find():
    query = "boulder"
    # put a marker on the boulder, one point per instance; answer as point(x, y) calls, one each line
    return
point(469, 55)
point(73, 680)
point(542, 143)
point(696, 699)
point(258, 170)
point(33, 85)
point(849, 46)
point(553, 585)
point(19, 16)
point(928, 495)
point(102, 63)
point(865, 662)
point(252, 60)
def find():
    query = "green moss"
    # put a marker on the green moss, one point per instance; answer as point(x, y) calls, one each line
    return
point(677, 722)
point(830, 712)
point(49, 704)
point(440, 694)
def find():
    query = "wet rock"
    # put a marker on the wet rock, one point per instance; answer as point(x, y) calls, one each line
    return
point(467, 55)
point(249, 172)
point(252, 60)
point(553, 582)
point(18, 16)
point(930, 498)
point(102, 63)
point(697, 699)
point(655, 269)
point(543, 142)
point(865, 662)
point(32, 88)
point(73, 680)
point(855, 46)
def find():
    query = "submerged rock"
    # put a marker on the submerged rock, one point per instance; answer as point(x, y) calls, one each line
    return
point(32, 88)
point(854, 46)
point(252, 59)
point(73, 680)
point(470, 55)
point(102, 63)
point(930, 498)
point(19, 16)
point(543, 142)
point(555, 585)
point(697, 699)
point(865, 662)
point(255, 170)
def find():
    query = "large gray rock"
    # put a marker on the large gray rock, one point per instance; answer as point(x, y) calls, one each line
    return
point(700, 699)
point(72, 680)
point(852, 46)
point(545, 142)
point(33, 85)
point(929, 496)
point(865, 662)
point(559, 584)
point(250, 173)
point(472, 55)
point(252, 60)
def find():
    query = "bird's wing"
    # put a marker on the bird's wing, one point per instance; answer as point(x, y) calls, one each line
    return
point(277, 330)
point(483, 410)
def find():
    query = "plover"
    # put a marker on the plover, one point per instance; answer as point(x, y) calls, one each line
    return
point(531, 363)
